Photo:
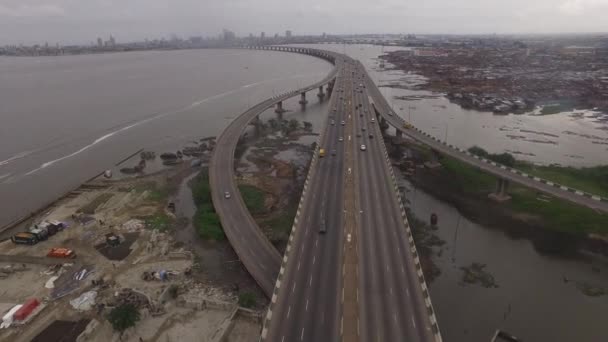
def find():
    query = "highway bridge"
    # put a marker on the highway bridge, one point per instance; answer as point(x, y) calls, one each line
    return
point(257, 254)
point(351, 271)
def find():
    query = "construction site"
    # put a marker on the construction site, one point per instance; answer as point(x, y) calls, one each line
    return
point(107, 245)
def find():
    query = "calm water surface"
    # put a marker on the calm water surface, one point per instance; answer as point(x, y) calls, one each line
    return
point(65, 119)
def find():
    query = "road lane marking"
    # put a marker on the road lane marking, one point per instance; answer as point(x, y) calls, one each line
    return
point(302, 335)
point(288, 311)
point(309, 283)
point(299, 266)
point(313, 259)
point(307, 305)
point(293, 288)
point(413, 323)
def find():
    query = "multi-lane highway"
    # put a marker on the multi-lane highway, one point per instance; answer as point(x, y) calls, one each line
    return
point(256, 253)
point(351, 271)
point(391, 302)
point(309, 302)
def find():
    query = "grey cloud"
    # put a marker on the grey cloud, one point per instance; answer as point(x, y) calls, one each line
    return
point(81, 21)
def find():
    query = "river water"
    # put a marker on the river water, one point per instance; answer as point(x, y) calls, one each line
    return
point(532, 301)
point(65, 119)
point(576, 138)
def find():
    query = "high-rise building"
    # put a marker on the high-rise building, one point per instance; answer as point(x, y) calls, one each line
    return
point(99, 42)
point(228, 35)
point(288, 34)
point(263, 35)
point(112, 41)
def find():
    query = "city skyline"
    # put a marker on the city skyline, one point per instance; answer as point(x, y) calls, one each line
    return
point(69, 22)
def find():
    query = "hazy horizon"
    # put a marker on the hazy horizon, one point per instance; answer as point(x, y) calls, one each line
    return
point(72, 21)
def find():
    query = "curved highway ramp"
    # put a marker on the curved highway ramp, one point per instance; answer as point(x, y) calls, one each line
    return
point(257, 254)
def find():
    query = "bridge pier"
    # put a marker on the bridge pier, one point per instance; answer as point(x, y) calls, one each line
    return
point(279, 109)
point(398, 133)
point(500, 195)
point(303, 101)
point(321, 94)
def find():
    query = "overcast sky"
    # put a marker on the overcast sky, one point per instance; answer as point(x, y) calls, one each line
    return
point(82, 21)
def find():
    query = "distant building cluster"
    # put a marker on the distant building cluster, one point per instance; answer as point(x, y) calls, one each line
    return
point(226, 38)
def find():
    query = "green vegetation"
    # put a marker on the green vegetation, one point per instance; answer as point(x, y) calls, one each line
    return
point(160, 221)
point(254, 199)
point(593, 180)
point(281, 224)
point(506, 159)
point(156, 193)
point(555, 213)
point(90, 207)
point(123, 317)
point(558, 214)
point(555, 108)
point(206, 221)
point(469, 178)
point(247, 300)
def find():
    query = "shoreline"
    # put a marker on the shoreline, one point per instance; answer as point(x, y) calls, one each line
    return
point(445, 186)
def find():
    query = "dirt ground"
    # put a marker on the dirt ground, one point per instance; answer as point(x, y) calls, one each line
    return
point(129, 208)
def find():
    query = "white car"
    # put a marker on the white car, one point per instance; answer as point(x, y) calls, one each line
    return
point(363, 148)
point(226, 194)
point(340, 139)
point(373, 120)
point(342, 123)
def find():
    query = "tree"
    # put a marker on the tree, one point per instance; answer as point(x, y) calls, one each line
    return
point(123, 317)
point(247, 299)
point(293, 125)
point(274, 124)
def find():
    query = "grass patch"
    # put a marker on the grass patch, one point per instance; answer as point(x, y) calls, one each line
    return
point(593, 180)
point(281, 224)
point(555, 108)
point(559, 215)
point(205, 221)
point(160, 221)
point(469, 178)
point(156, 193)
point(90, 207)
point(556, 214)
point(254, 199)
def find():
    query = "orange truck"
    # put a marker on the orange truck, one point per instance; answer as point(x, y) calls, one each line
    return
point(62, 253)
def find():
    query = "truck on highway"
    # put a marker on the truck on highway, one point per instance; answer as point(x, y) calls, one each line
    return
point(407, 125)
point(322, 153)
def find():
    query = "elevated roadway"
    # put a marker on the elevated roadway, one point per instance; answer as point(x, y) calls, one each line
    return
point(311, 301)
point(502, 172)
point(257, 254)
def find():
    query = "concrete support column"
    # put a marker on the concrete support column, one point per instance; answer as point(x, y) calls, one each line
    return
point(501, 195)
point(321, 94)
point(303, 99)
point(398, 133)
point(279, 109)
